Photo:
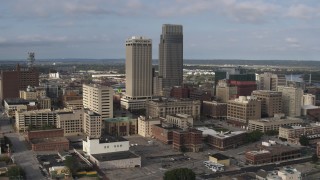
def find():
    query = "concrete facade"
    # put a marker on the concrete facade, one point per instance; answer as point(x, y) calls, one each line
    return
point(105, 145)
point(244, 109)
point(98, 99)
point(145, 125)
point(291, 100)
point(71, 122)
point(271, 102)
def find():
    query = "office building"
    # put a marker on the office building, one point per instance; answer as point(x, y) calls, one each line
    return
point(308, 99)
point(145, 125)
point(271, 102)
point(243, 109)
point(164, 107)
point(121, 126)
point(182, 121)
point(98, 99)
point(225, 91)
point(293, 133)
point(269, 81)
point(92, 124)
point(71, 122)
point(171, 56)
point(138, 73)
point(289, 173)
point(11, 82)
point(291, 100)
point(214, 110)
point(187, 140)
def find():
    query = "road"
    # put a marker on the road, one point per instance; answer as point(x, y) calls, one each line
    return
point(21, 155)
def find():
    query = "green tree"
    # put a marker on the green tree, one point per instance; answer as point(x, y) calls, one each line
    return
point(304, 141)
point(253, 136)
point(72, 164)
point(315, 158)
point(271, 132)
point(16, 172)
point(180, 174)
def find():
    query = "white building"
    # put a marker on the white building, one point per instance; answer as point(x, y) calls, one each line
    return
point(183, 121)
point(289, 173)
point(308, 99)
point(105, 145)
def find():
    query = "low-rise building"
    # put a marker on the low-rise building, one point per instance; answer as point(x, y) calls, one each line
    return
point(182, 121)
point(106, 144)
point(50, 144)
point(92, 124)
point(34, 119)
point(293, 133)
point(272, 153)
point(145, 125)
point(267, 124)
point(49, 133)
point(289, 173)
point(223, 140)
point(163, 132)
point(220, 159)
point(11, 105)
point(187, 140)
point(74, 104)
point(121, 126)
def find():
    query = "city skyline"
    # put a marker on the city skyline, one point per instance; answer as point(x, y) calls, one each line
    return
point(221, 29)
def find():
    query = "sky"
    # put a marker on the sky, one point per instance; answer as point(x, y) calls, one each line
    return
point(212, 29)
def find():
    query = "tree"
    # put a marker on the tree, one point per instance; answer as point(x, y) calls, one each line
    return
point(180, 174)
point(271, 132)
point(304, 141)
point(253, 136)
point(315, 158)
point(16, 172)
point(72, 164)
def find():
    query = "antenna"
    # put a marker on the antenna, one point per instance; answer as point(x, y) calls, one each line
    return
point(30, 59)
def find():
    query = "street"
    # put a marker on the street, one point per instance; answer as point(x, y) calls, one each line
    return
point(21, 155)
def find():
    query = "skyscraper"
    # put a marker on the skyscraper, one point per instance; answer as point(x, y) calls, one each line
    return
point(138, 67)
point(138, 73)
point(171, 55)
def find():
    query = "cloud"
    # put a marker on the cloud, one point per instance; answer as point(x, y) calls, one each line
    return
point(292, 42)
point(301, 11)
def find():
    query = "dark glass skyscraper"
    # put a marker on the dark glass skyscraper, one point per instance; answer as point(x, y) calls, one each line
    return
point(171, 55)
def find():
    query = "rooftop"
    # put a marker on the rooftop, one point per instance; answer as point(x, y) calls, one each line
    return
point(220, 156)
point(16, 101)
point(221, 135)
point(48, 140)
point(108, 139)
point(114, 156)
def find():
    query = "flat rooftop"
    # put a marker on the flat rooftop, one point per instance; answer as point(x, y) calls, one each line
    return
point(114, 156)
point(211, 132)
point(16, 101)
point(49, 140)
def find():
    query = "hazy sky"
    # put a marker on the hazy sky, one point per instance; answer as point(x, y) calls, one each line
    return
point(213, 29)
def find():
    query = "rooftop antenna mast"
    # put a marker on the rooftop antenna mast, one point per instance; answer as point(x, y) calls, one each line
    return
point(31, 59)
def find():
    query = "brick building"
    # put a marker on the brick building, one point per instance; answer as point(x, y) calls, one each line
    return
point(271, 154)
point(189, 140)
point(50, 144)
point(163, 132)
point(45, 134)
point(179, 92)
point(215, 110)
point(13, 81)
point(223, 141)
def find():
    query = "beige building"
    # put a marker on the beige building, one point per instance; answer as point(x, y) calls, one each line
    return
point(32, 93)
point(273, 123)
point(308, 99)
point(92, 124)
point(271, 102)
point(294, 132)
point(291, 100)
point(98, 99)
point(225, 92)
point(219, 158)
point(244, 109)
point(138, 73)
point(34, 119)
point(269, 81)
point(182, 121)
point(71, 122)
point(164, 107)
point(44, 103)
point(145, 125)
point(74, 104)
